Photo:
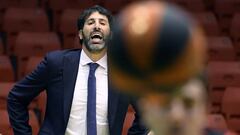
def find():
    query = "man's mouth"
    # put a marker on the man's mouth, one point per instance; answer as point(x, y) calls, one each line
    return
point(97, 37)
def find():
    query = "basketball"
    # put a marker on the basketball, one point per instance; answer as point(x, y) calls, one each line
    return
point(155, 47)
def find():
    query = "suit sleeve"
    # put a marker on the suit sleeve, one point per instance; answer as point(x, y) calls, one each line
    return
point(138, 127)
point(22, 94)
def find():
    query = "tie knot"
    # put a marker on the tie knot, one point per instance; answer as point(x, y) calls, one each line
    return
point(93, 66)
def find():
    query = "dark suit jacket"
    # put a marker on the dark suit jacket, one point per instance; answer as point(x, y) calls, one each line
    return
point(57, 75)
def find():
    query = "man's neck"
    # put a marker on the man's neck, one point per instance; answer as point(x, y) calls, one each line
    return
point(94, 56)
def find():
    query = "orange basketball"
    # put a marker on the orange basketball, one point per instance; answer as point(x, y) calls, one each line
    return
point(155, 47)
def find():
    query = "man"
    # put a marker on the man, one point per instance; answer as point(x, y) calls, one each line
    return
point(64, 76)
point(181, 112)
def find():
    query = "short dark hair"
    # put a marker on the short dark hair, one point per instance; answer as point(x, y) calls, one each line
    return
point(87, 12)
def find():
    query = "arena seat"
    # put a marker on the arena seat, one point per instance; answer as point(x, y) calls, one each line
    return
point(1, 47)
point(68, 27)
point(58, 6)
point(34, 44)
point(128, 120)
point(221, 74)
point(41, 103)
point(23, 19)
point(225, 9)
point(114, 6)
point(5, 127)
point(5, 87)
point(209, 23)
point(6, 69)
point(221, 49)
point(230, 103)
point(234, 32)
point(196, 5)
point(19, 3)
point(31, 64)
point(217, 122)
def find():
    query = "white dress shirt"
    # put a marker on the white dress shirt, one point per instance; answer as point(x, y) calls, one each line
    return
point(77, 124)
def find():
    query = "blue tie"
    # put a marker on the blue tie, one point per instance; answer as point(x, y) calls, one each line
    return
point(91, 101)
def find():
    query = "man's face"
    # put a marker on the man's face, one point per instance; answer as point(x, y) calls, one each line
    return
point(95, 33)
point(180, 114)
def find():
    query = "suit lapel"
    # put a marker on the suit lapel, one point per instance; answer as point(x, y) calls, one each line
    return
point(112, 106)
point(70, 70)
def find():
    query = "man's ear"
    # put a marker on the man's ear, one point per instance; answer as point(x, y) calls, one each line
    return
point(80, 34)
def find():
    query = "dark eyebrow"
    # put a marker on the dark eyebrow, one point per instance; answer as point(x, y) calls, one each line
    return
point(103, 20)
point(93, 19)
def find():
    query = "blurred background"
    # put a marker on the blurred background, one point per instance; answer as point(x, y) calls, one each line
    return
point(31, 28)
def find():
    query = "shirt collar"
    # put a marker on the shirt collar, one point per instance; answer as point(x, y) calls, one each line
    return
point(84, 60)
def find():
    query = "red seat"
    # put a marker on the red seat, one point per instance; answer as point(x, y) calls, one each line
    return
point(1, 17)
point(226, 7)
point(6, 70)
point(23, 19)
point(209, 23)
point(5, 127)
point(34, 44)
point(234, 31)
point(221, 75)
point(230, 107)
point(233, 124)
point(58, 6)
point(77, 4)
point(31, 64)
point(33, 121)
point(114, 6)
point(196, 5)
point(217, 122)
point(27, 3)
point(225, 10)
point(68, 22)
point(191, 5)
point(5, 87)
point(231, 100)
point(230, 133)
point(19, 3)
point(68, 27)
point(41, 103)
point(3, 4)
point(1, 47)
point(77, 42)
point(128, 120)
point(221, 49)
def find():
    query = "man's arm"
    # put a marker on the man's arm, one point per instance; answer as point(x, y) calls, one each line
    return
point(22, 94)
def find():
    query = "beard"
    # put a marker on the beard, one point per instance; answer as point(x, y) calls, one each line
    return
point(95, 48)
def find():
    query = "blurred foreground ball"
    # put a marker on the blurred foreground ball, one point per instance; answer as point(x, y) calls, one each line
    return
point(155, 47)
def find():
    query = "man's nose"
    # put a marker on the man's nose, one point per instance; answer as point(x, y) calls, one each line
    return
point(177, 111)
point(97, 26)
